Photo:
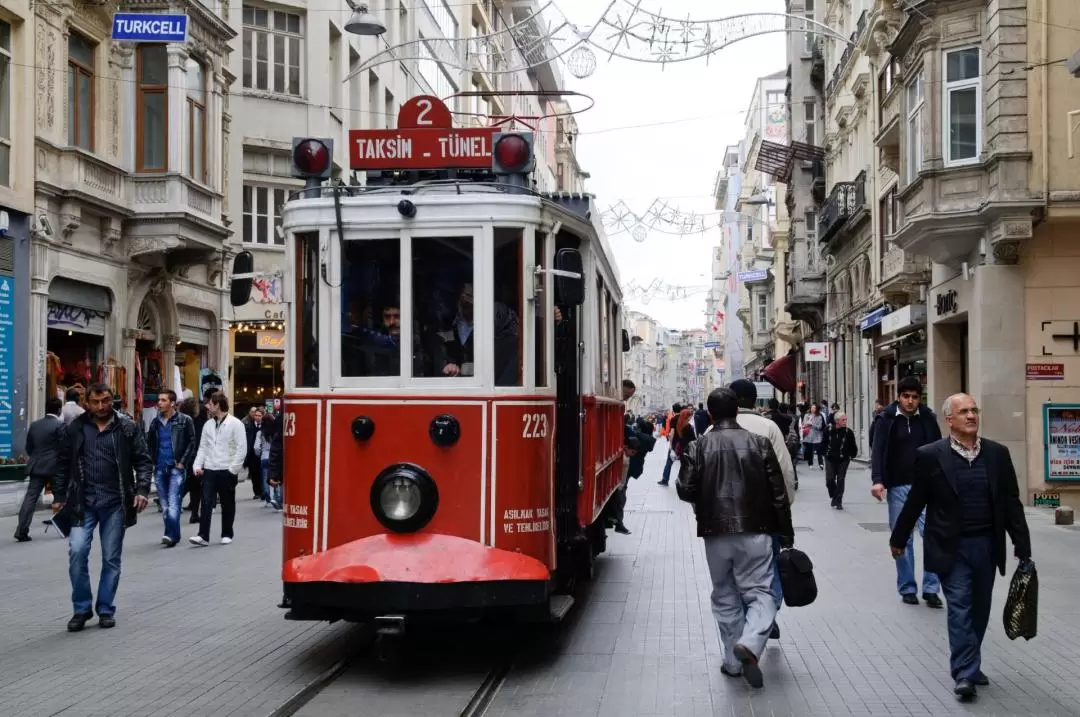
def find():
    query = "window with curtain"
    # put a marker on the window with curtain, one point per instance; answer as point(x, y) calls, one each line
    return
point(81, 91)
point(196, 107)
point(152, 109)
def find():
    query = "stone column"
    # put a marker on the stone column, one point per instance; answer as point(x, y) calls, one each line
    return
point(168, 360)
point(39, 311)
point(127, 359)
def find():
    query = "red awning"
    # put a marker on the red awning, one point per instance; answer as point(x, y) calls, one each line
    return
point(781, 373)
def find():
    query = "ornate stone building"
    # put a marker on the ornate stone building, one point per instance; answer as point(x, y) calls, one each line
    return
point(131, 233)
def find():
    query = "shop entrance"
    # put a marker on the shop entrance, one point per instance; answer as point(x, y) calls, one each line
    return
point(258, 368)
point(75, 335)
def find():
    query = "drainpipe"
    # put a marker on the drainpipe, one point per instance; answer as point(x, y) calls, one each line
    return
point(1046, 111)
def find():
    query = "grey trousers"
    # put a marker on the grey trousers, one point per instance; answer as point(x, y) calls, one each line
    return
point(741, 567)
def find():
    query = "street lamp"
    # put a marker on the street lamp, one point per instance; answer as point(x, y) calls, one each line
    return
point(363, 22)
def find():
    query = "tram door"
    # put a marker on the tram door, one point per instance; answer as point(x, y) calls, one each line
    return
point(569, 297)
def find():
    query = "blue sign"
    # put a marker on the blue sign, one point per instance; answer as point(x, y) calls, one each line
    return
point(7, 351)
point(712, 344)
point(873, 318)
point(138, 27)
point(748, 277)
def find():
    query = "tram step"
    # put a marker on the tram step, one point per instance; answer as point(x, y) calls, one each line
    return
point(559, 606)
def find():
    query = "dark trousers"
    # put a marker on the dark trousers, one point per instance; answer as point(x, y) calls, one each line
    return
point(34, 486)
point(814, 449)
point(968, 589)
point(618, 501)
point(194, 492)
point(255, 476)
point(222, 486)
point(835, 473)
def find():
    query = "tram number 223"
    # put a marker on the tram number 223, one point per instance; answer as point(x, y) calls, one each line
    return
point(288, 424)
point(534, 425)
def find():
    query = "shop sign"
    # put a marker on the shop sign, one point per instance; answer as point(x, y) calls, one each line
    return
point(266, 289)
point(817, 351)
point(1047, 499)
point(63, 316)
point(904, 317)
point(1061, 441)
point(270, 340)
point(1045, 372)
point(946, 303)
point(765, 390)
point(752, 277)
point(7, 351)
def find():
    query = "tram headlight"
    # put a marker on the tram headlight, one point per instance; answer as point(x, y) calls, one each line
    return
point(404, 497)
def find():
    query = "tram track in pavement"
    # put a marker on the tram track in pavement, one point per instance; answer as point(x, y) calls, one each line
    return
point(362, 685)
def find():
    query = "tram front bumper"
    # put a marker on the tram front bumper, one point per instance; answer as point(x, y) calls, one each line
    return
point(414, 572)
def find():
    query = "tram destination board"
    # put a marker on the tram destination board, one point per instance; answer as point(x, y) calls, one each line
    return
point(425, 138)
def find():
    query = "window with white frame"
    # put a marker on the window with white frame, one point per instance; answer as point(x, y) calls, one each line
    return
point(888, 211)
point(6, 97)
point(81, 63)
point(273, 44)
point(810, 122)
point(962, 106)
point(915, 100)
point(262, 214)
point(762, 313)
point(196, 109)
point(808, 14)
point(444, 18)
point(433, 73)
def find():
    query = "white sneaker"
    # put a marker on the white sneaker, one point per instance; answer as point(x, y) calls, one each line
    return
point(165, 540)
point(226, 541)
point(197, 540)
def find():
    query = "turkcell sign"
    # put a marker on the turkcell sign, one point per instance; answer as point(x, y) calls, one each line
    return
point(137, 27)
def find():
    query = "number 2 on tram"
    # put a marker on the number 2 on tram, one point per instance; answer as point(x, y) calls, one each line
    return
point(453, 421)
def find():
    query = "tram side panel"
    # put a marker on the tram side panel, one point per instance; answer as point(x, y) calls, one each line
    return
point(303, 439)
point(522, 479)
point(602, 455)
point(402, 434)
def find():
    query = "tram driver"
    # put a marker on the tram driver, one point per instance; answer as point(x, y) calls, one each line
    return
point(459, 340)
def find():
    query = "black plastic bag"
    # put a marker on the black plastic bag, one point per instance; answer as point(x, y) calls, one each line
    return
point(797, 577)
point(1022, 605)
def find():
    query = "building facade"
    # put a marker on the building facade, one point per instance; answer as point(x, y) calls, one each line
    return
point(804, 264)
point(17, 90)
point(725, 278)
point(130, 235)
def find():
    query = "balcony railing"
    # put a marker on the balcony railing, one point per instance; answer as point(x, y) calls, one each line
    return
point(849, 50)
point(817, 63)
point(845, 201)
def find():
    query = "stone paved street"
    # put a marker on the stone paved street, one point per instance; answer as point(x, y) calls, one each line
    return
point(199, 633)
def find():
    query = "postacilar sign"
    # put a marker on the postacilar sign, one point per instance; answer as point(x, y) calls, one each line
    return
point(424, 139)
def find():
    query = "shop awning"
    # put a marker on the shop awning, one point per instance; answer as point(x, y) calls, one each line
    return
point(781, 373)
point(873, 318)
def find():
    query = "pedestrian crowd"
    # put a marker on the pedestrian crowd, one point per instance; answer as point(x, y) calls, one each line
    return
point(101, 464)
point(737, 466)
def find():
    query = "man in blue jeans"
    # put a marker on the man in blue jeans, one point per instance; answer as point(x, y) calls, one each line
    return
point(171, 443)
point(102, 481)
point(900, 430)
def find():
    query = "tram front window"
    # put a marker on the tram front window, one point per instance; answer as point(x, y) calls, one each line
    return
point(443, 302)
point(371, 308)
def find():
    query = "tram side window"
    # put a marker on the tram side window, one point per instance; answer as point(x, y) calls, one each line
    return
point(443, 300)
point(509, 299)
point(540, 328)
point(307, 310)
point(371, 308)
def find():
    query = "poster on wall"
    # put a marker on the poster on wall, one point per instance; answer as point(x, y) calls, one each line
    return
point(1061, 438)
point(7, 351)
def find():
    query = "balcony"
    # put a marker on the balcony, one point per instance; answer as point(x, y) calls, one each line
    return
point(172, 212)
point(805, 290)
point(849, 51)
point(902, 272)
point(817, 65)
point(70, 173)
point(846, 201)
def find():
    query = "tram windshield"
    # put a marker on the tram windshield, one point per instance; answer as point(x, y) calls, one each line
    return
point(440, 283)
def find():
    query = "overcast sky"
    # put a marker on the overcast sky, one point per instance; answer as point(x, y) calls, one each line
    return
point(697, 109)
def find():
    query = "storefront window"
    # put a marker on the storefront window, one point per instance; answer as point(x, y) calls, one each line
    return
point(258, 372)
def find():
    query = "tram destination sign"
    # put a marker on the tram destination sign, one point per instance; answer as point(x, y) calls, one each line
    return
point(424, 139)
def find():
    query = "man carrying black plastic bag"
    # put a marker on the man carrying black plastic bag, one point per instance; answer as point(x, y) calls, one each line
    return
point(968, 487)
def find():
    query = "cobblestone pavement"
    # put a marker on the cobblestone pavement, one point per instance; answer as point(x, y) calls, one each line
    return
point(199, 634)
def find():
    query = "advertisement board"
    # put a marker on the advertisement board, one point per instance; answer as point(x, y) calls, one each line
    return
point(1061, 441)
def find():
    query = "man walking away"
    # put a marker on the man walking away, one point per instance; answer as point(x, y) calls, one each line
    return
point(904, 427)
point(172, 447)
point(778, 414)
point(44, 440)
point(221, 455)
point(103, 477)
point(636, 450)
point(72, 408)
point(878, 408)
point(701, 419)
point(841, 448)
point(733, 479)
point(967, 485)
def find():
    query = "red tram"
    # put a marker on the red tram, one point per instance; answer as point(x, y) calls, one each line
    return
point(474, 474)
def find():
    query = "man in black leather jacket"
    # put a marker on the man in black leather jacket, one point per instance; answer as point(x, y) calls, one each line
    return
point(733, 479)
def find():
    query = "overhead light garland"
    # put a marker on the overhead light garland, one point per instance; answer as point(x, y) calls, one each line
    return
point(624, 30)
point(660, 289)
point(661, 217)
